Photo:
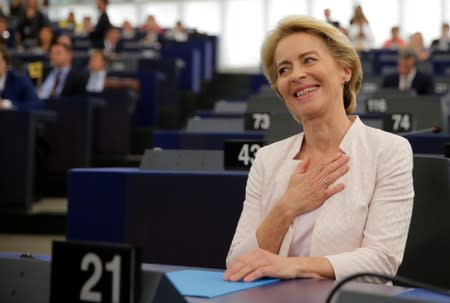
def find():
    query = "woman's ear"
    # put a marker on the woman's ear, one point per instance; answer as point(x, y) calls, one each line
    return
point(347, 74)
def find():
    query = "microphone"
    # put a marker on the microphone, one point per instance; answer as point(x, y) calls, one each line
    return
point(434, 130)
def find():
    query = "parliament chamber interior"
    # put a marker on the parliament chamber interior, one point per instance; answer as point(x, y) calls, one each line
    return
point(152, 165)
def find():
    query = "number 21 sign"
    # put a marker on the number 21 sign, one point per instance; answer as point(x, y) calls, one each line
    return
point(94, 272)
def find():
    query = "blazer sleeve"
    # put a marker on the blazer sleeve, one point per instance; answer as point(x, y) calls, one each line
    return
point(425, 84)
point(24, 94)
point(390, 81)
point(388, 218)
point(251, 217)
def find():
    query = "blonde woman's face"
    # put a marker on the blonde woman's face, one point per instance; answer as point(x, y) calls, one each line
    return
point(309, 79)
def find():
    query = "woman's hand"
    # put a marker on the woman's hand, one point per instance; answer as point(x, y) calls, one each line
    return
point(309, 188)
point(259, 263)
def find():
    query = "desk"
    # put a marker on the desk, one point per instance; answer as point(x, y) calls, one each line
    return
point(200, 140)
point(428, 143)
point(71, 136)
point(189, 214)
point(17, 151)
point(298, 291)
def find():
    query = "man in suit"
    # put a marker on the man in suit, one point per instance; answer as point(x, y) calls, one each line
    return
point(62, 80)
point(16, 89)
point(98, 34)
point(443, 42)
point(408, 78)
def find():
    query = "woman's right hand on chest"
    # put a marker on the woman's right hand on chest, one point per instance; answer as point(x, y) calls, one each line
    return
point(309, 186)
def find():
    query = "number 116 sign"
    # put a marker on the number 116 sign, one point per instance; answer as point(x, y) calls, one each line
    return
point(94, 272)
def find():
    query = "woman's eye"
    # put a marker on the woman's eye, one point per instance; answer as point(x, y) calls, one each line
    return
point(309, 59)
point(282, 70)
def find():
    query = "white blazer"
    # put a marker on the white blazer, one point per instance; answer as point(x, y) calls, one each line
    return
point(362, 228)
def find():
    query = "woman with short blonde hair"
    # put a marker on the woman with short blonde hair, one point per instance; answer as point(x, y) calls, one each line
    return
point(335, 199)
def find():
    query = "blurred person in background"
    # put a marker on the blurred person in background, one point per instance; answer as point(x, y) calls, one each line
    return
point(178, 33)
point(7, 39)
point(395, 41)
point(98, 34)
point(127, 31)
point(359, 31)
point(443, 42)
point(16, 89)
point(62, 80)
point(415, 42)
point(46, 39)
point(30, 24)
point(408, 77)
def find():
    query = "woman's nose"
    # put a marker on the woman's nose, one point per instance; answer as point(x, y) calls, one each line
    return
point(297, 74)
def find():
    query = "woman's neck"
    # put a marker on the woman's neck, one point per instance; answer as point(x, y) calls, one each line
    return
point(323, 136)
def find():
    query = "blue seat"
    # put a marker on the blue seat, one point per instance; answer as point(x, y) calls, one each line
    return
point(427, 248)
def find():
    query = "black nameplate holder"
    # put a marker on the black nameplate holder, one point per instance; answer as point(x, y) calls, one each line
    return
point(257, 121)
point(376, 105)
point(240, 154)
point(94, 272)
point(398, 122)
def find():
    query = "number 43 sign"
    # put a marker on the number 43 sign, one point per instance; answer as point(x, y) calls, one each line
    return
point(93, 272)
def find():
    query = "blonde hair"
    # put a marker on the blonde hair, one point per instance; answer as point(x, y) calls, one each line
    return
point(338, 45)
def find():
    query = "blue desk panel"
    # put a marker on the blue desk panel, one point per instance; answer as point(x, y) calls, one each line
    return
point(183, 218)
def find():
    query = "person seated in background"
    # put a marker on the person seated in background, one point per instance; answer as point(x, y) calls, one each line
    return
point(443, 42)
point(97, 72)
point(127, 31)
point(415, 42)
point(65, 39)
point(6, 38)
point(408, 78)
point(30, 24)
point(321, 204)
point(395, 41)
point(46, 39)
point(151, 35)
point(178, 33)
point(98, 76)
point(16, 89)
point(112, 45)
point(62, 80)
point(69, 23)
point(86, 27)
point(151, 23)
point(359, 31)
point(16, 9)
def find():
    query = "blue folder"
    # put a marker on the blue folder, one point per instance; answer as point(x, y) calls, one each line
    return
point(209, 284)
